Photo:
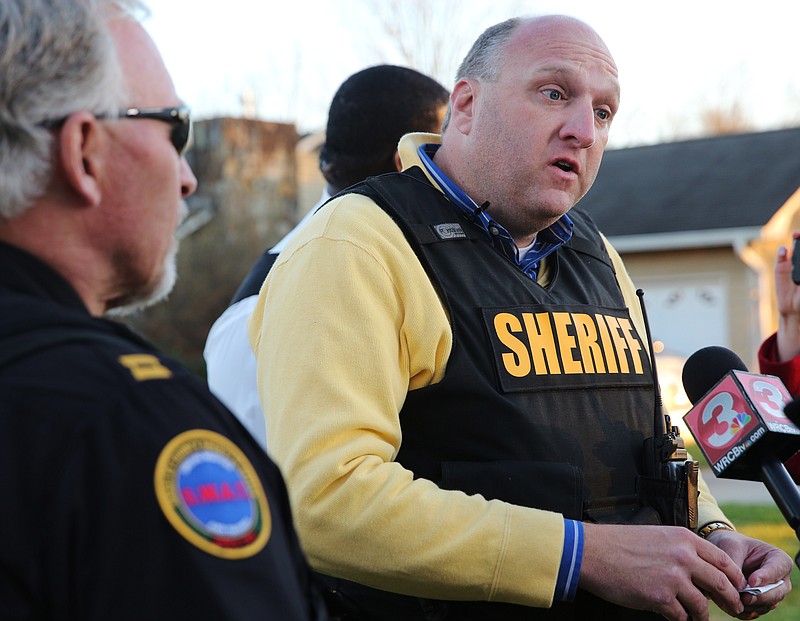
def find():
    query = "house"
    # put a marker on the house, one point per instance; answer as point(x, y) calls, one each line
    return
point(698, 224)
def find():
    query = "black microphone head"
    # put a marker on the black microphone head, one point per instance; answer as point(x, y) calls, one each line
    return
point(706, 367)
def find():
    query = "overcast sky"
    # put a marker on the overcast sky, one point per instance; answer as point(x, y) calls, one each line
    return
point(675, 58)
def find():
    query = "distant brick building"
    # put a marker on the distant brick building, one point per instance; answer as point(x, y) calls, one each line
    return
point(255, 181)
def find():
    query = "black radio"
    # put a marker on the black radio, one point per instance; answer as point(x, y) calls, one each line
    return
point(665, 453)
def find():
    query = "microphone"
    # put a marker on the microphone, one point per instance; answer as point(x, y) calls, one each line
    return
point(738, 421)
point(705, 367)
point(792, 411)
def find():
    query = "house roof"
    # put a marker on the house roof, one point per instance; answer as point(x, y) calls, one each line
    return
point(704, 185)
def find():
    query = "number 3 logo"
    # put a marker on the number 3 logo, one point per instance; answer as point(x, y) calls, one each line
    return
point(772, 395)
point(720, 410)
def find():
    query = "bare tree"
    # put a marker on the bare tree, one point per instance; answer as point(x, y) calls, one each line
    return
point(729, 119)
point(431, 37)
point(792, 117)
point(722, 109)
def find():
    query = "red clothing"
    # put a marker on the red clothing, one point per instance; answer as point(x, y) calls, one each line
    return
point(788, 371)
point(789, 374)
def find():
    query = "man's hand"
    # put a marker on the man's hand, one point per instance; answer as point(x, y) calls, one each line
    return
point(761, 564)
point(671, 571)
point(663, 569)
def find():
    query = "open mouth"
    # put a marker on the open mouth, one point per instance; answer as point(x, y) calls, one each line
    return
point(564, 165)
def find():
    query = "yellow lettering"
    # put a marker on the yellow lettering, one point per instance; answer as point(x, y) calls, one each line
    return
point(608, 348)
point(543, 347)
point(634, 346)
point(145, 367)
point(517, 363)
point(591, 353)
point(566, 343)
point(620, 345)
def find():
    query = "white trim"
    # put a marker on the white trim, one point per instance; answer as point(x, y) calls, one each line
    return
point(715, 238)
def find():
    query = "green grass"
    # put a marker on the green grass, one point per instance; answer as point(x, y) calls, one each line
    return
point(765, 522)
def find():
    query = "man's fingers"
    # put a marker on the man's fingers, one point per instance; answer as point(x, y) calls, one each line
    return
point(694, 604)
point(719, 577)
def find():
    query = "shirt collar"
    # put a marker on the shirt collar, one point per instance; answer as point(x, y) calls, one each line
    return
point(29, 275)
point(547, 241)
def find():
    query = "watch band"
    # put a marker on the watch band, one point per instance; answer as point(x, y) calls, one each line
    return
point(710, 528)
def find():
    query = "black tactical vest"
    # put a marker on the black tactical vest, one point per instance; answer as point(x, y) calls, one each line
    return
point(548, 394)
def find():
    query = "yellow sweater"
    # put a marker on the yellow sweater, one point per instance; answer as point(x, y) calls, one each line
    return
point(348, 323)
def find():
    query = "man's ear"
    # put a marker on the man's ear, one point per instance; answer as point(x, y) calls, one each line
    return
point(462, 104)
point(398, 164)
point(79, 153)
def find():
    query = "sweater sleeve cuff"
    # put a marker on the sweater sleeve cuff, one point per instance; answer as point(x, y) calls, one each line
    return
point(571, 557)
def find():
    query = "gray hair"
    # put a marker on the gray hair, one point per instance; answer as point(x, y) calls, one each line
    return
point(483, 60)
point(56, 57)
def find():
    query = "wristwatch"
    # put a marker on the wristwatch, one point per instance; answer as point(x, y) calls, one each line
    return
point(710, 528)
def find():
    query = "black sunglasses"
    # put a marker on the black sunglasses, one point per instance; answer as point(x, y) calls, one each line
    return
point(178, 117)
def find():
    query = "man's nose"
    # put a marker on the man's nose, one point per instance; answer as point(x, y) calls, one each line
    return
point(580, 125)
point(188, 180)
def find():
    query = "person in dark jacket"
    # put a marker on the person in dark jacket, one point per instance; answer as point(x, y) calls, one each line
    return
point(131, 492)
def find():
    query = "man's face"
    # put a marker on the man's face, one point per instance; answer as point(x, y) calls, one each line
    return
point(146, 180)
point(539, 131)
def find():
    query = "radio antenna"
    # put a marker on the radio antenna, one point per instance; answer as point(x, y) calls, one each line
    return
point(660, 425)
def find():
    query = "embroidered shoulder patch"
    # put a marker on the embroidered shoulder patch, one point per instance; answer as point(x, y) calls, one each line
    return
point(211, 494)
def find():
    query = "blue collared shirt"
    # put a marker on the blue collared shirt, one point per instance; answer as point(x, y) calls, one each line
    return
point(546, 242)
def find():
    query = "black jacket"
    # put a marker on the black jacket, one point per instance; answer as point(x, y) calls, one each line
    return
point(130, 491)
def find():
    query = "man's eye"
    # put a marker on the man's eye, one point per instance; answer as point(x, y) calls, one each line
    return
point(603, 115)
point(553, 94)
